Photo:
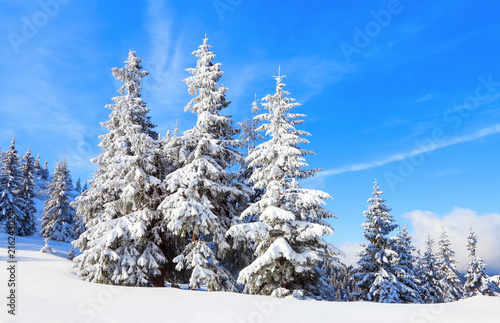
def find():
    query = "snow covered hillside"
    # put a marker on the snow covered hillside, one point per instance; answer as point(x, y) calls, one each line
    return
point(49, 291)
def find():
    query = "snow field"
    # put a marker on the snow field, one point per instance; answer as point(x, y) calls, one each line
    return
point(49, 291)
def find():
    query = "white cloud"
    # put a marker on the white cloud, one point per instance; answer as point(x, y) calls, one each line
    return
point(350, 248)
point(401, 156)
point(457, 224)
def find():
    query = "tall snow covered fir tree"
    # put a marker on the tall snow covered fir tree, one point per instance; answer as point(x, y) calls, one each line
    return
point(476, 278)
point(202, 199)
point(57, 212)
point(430, 273)
point(379, 263)
point(450, 282)
point(27, 193)
point(288, 234)
point(120, 207)
point(11, 203)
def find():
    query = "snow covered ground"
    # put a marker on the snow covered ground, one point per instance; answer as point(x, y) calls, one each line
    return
point(48, 291)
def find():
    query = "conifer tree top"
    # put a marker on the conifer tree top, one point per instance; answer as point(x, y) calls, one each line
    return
point(472, 241)
point(378, 217)
point(131, 75)
point(13, 143)
point(255, 105)
point(210, 97)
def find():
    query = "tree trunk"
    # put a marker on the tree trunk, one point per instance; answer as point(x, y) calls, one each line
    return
point(160, 280)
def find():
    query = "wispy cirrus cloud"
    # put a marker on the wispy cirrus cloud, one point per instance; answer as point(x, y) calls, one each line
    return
point(166, 58)
point(491, 130)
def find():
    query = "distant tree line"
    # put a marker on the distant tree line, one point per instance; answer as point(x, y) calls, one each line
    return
point(390, 270)
point(24, 179)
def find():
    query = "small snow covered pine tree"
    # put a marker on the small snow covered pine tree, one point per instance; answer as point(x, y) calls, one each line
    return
point(376, 274)
point(57, 212)
point(476, 278)
point(78, 185)
point(451, 284)
point(27, 193)
point(85, 187)
point(69, 182)
point(248, 137)
point(41, 184)
point(78, 226)
point(11, 203)
point(404, 269)
point(47, 248)
point(38, 168)
point(431, 289)
point(71, 253)
point(201, 194)
point(45, 171)
point(120, 207)
point(288, 235)
point(249, 134)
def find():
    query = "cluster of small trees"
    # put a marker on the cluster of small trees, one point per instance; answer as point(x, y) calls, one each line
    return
point(17, 191)
point(389, 271)
point(21, 179)
point(179, 208)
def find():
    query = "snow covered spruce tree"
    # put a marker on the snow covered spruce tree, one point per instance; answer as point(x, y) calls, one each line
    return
point(27, 193)
point(288, 234)
point(57, 212)
point(202, 198)
point(41, 179)
point(249, 136)
point(45, 171)
point(2, 153)
point(450, 282)
point(78, 226)
point(405, 271)
point(38, 168)
point(120, 207)
point(11, 203)
point(78, 186)
point(476, 278)
point(430, 272)
point(379, 264)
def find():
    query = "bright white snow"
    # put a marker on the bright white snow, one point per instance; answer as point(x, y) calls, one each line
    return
point(49, 291)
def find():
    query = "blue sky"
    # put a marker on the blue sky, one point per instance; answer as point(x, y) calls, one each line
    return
point(406, 92)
